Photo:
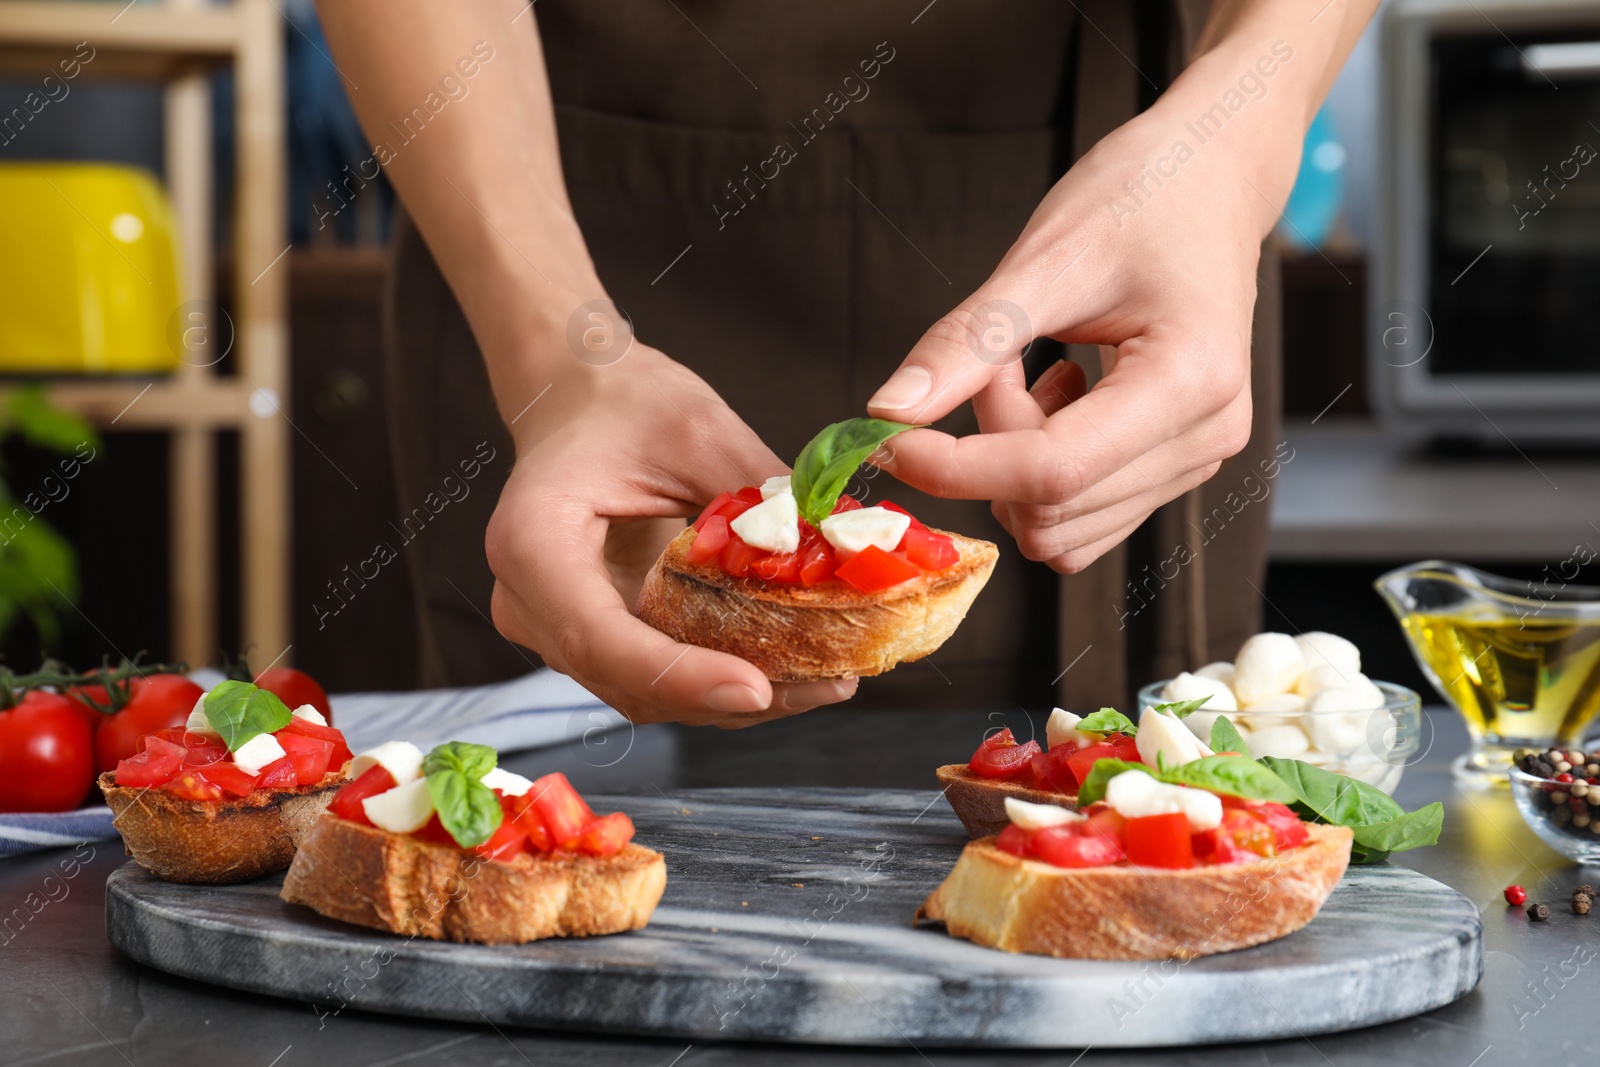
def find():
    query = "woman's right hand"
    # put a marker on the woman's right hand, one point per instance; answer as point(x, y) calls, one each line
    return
point(610, 460)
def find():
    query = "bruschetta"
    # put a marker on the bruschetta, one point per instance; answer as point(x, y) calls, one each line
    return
point(450, 846)
point(807, 583)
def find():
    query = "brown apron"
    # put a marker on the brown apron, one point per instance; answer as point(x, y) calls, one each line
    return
point(784, 199)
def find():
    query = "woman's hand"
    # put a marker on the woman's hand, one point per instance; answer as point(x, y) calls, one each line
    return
point(609, 462)
point(1149, 247)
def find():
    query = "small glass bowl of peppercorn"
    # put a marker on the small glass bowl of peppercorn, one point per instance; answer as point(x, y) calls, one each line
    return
point(1557, 790)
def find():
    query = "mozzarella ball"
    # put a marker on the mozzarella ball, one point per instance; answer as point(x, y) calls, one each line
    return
point(1267, 664)
point(1320, 676)
point(1359, 694)
point(1201, 722)
point(1283, 742)
point(1221, 670)
point(1321, 648)
point(1279, 702)
point(1342, 733)
point(1188, 686)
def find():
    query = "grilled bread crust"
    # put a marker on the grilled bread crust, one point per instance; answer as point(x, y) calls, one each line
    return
point(396, 882)
point(215, 842)
point(798, 634)
point(998, 900)
point(981, 802)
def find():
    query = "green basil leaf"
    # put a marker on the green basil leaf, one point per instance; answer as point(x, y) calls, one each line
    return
point(1094, 787)
point(473, 761)
point(1335, 798)
point(1225, 737)
point(467, 808)
point(1413, 830)
point(240, 711)
point(1237, 776)
point(1107, 721)
point(826, 464)
point(1180, 709)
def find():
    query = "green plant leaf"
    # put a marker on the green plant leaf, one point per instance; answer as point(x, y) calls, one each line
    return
point(1412, 830)
point(1380, 825)
point(467, 808)
point(1107, 721)
point(240, 711)
point(41, 423)
point(1225, 737)
point(1094, 787)
point(1181, 709)
point(826, 465)
point(1237, 776)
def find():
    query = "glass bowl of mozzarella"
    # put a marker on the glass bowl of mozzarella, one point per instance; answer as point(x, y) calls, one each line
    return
point(1304, 697)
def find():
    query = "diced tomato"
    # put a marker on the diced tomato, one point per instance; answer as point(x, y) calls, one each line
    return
point(737, 558)
point(150, 767)
point(778, 567)
point(521, 811)
point(709, 541)
point(200, 750)
point(1249, 832)
point(229, 777)
point(341, 749)
point(873, 569)
point(190, 785)
point(733, 509)
point(915, 525)
point(930, 551)
point(1107, 822)
point(1063, 846)
point(161, 746)
point(1013, 839)
point(279, 774)
point(1215, 847)
point(309, 756)
point(1050, 771)
point(1001, 757)
point(1125, 747)
point(1085, 758)
point(846, 503)
point(1287, 829)
point(606, 835)
point(433, 830)
point(564, 812)
point(711, 509)
point(503, 844)
point(749, 494)
point(817, 564)
point(1159, 841)
point(346, 803)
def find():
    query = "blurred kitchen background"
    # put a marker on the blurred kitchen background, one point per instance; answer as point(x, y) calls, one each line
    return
point(1441, 260)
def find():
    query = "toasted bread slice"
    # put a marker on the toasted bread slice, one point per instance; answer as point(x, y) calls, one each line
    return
point(215, 842)
point(980, 802)
point(396, 882)
point(798, 634)
point(998, 900)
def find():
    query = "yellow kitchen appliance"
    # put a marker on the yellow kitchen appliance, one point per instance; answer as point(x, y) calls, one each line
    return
point(88, 270)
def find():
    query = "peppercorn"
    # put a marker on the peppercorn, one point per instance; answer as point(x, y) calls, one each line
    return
point(1538, 912)
point(1515, 894)
point(1581, 903)
point(1586, 889)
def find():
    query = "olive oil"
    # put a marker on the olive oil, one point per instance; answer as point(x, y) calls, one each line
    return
point(1517, 681)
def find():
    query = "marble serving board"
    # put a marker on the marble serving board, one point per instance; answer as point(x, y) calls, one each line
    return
point(787, 917)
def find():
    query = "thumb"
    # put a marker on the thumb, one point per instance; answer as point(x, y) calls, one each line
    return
point(956, 358)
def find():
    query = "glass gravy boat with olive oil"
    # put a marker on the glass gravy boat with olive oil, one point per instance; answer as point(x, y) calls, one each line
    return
point(1520, 660)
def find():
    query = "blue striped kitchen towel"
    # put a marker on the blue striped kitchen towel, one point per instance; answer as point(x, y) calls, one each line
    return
point(535, 711)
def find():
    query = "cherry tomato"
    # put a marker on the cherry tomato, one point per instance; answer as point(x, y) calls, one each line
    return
point(1001, 757)
point(346, 803)
point(46, 754)
point(1064, 846)
point(709, 540)
point(606, 835)
point(295, 688)
point(1159, 841)
point(564, 812)
point(872, 569)
point(155, 703)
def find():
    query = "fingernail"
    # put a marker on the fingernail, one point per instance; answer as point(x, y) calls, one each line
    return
point(732, 698)
point(814, 694)
point(907, 386)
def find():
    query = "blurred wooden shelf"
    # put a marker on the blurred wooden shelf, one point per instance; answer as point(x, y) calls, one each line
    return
point(179, 42)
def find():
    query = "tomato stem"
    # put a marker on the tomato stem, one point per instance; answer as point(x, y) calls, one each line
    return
point(52, 674)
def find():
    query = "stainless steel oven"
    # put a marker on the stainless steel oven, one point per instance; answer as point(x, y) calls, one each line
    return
point(1484, 308)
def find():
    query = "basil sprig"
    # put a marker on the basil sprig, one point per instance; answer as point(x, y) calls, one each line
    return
point(1233, 775)
point(1380, 825)
point(1181, 709)
point(826, 464)
point(1225, 737)
point(467, 808)
point(1107, 721)
point(240, 711)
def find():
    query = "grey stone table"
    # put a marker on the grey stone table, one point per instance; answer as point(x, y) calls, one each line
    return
point(67, 997)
